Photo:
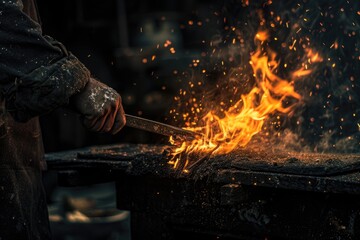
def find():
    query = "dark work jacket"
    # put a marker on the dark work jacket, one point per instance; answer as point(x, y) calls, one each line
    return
point(37, 75)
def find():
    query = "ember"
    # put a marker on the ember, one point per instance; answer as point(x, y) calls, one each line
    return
point(272, 90)
point(244, 119)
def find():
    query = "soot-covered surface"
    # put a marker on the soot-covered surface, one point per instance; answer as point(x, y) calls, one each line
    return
point(146, 158)
point(248, 194)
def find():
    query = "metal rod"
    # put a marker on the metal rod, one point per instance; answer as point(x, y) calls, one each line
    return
point(158, 127)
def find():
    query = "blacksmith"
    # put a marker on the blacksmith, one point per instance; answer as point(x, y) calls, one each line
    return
point(37, 75)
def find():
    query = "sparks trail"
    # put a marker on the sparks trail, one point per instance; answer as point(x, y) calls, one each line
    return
point(244, 119)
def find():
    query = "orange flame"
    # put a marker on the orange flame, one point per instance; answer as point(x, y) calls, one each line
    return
point(244, 119)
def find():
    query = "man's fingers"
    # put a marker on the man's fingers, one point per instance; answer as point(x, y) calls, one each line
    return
point(100, 122)
point(109, 122)
point(110, 117)
point(89, 122)
point(120, 120)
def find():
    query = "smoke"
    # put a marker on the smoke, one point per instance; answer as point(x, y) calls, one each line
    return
point(328, 117)
point(327, 120)
point(329, 114)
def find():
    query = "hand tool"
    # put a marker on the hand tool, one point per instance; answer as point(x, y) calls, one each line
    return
point(158, 127)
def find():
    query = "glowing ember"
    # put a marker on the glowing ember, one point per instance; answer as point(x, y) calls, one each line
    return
point(245, 118)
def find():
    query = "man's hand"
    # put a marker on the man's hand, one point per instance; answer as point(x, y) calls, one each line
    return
point(100, 107)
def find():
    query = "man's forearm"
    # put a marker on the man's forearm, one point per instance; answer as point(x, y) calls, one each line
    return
point(38, 74)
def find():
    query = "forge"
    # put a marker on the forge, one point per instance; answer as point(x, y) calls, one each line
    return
point(281, 81)
point(247, 194)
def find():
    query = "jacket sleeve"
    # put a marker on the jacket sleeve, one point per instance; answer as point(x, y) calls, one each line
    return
point(37, 73)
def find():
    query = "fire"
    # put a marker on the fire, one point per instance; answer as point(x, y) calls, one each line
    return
point(245, 118)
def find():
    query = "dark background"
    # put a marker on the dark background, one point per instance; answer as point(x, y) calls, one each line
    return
point(112, 38)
